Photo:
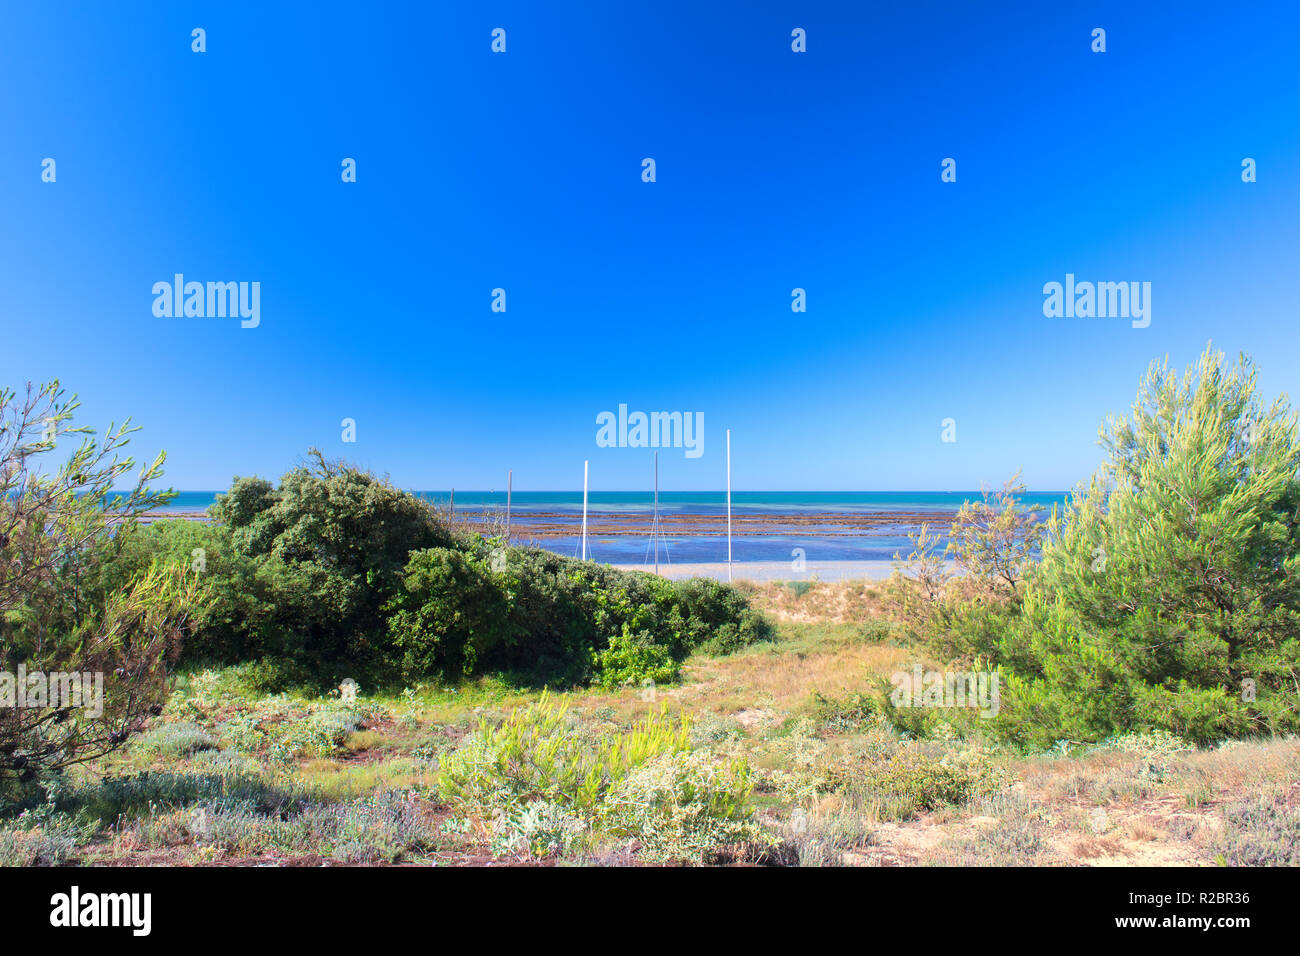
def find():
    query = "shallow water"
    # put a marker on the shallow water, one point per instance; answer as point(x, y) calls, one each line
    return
point(777, 524)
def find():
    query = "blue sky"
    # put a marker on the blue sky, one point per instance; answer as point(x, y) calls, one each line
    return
point(522, 171)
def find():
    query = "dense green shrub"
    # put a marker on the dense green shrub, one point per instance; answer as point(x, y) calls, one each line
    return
point(336, 574)
point(329, 547)
point(718, 617)
point(450, 612)
point(634, 658)
point(554, 604)
point(296, 576)
point(1167, 596)
point(547, 619)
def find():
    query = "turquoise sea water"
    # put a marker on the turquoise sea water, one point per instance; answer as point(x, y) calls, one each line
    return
point(565, 507)
point(691, 502)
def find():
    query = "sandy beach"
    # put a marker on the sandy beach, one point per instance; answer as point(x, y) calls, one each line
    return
point(774, 570)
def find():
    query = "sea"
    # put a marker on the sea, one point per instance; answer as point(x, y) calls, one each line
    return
point(777, 541)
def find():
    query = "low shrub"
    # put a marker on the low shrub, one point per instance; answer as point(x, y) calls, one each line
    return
point(174, 740)
point(1260, 831)
point(847, 713)
point(43, 835)
point(538, 829)
point(543, 786)
point(1014, 838)
point(49, 842)
point(686, 806)
point(822, 837)
point(115, 798)
point(380, 828)
point(912, 777)
point(533, 754)
point(281, 728)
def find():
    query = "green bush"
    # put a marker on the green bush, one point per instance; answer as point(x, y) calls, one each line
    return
point(632, 659)
point(849, 713)
point(688, 806)
point(336, 574)
point(550, 620)
point(718, 617)
point(450, 612)
point(233, 602)
point(329, 547)
point(534, 755)
point(296, 575)
point(546, 786)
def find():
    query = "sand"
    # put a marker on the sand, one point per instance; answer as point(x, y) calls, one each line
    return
point(774, 570)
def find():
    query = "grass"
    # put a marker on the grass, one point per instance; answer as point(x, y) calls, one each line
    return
point(1260, 831)
point(775, 755)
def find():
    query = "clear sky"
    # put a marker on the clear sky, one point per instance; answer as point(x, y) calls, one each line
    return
point(523, 171)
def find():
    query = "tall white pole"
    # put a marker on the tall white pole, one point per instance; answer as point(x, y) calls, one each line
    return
point(584, 510)
point(654, 527)
point(728, 504)
point(510, 480)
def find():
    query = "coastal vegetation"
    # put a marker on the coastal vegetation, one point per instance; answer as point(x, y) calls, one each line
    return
point(56, 541)
point(335, 574)
point(330, 671)
point(1167, 594)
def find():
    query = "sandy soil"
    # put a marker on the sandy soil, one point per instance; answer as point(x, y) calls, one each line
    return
point(775, 570)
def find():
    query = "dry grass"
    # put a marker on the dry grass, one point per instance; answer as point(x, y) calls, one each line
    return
point(822, 791)
point(783, 680)
point(826, 602)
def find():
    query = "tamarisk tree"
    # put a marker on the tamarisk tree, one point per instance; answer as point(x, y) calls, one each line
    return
point(60, 624)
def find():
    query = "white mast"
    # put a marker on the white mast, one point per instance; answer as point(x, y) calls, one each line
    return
point(510, 480)
point(655, 526)
point(728, 504)
point(584, 510)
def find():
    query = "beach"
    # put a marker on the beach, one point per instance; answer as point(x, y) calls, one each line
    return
point(760, 571)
